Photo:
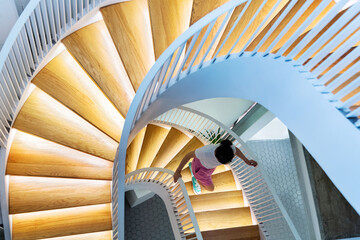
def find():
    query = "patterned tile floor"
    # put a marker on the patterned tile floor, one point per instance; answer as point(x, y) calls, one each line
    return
point(148, 221)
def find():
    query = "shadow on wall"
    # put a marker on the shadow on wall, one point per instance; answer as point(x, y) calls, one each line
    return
point(337, 217)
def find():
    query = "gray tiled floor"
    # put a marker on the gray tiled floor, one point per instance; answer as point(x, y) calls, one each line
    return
point(148, 221)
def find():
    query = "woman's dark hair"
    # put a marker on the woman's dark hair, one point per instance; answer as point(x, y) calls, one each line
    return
point(224, 153)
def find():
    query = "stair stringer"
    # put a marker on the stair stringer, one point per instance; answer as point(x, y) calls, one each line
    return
point(282, 87)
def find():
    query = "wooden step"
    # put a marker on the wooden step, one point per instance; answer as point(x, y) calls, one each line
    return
point(223, 182)
point(169, 19)
point(31, 194)
point(192, 145)
point(133, 151)
point(129, 27)
point(107, 235)
point(217, 201)
point(154, 137)
point(173, 143)
point(199, 9)
point(242, 23)
point(237, 233)
point(186, 174)
point(94, 49)
point(33, 156)
point(226, 218)
point(45, 117)
point(65, 80)
point(61, 222)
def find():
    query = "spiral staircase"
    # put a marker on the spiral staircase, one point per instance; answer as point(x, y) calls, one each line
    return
point(64, 138)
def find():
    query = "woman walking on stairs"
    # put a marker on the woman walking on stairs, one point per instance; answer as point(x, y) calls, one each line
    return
point(205, 160)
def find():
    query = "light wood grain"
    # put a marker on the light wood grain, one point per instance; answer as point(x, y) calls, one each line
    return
point(169, 18)
point(237, 233)
point(45, 117)
point(107, 235)
point(154, 137)
point(217, 201)
point(94, 49)
point(186, 174)
point(129, 26)
point(281, 26)
point(227, 218)
point(33, 156)
point(173, 143)
point(305, 48)
point(133, 152)
point(31, 194)
point(245, 19)
point(192, 145)
point(200, 9)
point(65, 80)
point(61, 222)
point(223, 182)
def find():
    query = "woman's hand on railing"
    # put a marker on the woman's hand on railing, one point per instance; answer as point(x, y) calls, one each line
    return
point(252, 163)
point(177, 175)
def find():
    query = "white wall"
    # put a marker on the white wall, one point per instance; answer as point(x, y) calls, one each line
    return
point(8, 17)
point(225, 110)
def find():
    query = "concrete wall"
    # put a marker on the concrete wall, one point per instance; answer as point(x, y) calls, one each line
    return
point(337, 218)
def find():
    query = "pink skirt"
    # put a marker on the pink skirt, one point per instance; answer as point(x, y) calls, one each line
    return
point(201, 173)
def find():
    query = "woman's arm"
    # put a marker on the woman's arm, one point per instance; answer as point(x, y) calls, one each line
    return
point(183, 162)
point(247, 161)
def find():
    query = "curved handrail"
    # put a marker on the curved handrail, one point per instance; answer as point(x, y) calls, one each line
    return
point(178, 59)
point(176, 194)
point(254, 181)
point(38, 29)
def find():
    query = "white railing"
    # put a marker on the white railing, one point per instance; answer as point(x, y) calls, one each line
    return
point(189, 53)
point(42, 24)
point(179, 59)
point(269, 211)
point(161, 181)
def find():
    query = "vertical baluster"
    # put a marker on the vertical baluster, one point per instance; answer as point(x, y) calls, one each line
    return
point(36, 35)
point(51, 14)
point(45, 18)
point(188, 51)
point(24, 52)
point(14, 67)
point(246, 27)
point(232, 28)
point(40, 23)
point(174, 64)
point(30, 36)
point(208, 30)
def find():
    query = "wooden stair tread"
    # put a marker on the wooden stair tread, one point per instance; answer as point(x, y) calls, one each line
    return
point(45, 117)
point(33, 156)
point(217, 201)
point(94, 49)
point(168, 20)
point(61, 222)
point(154, 137)
point(65, 80)
point(31, 194)
point(200, 9)
point(173, 143)
point(133, 151)
point(237, 233)
point(106, 235)
point(129, 26)
point(226, 218)
point(240, 26)
point(186, 174)
point(223, 182)
point(192, 145)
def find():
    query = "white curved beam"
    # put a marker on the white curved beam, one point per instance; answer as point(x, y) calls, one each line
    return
point(284, 90)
